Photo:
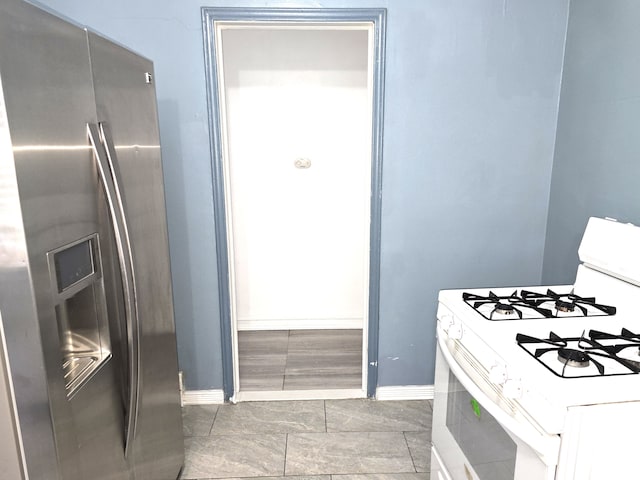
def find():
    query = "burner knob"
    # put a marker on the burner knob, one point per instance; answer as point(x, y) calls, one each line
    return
point(512, 389)
point(498, 374)
point(455, 331)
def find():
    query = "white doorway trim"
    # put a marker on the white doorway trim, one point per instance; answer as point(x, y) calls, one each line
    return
point(237, 293)
point(214, 21)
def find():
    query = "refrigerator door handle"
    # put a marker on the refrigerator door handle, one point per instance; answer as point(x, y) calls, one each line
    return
point(105, 157)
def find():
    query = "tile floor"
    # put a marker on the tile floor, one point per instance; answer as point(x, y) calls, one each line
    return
point(309, 440)
point(299, 359)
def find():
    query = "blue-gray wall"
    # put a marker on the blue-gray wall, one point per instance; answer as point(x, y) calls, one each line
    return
point(470, 116)
point(597, 159)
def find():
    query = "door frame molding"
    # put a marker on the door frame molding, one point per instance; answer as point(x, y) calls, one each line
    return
point(377, 16)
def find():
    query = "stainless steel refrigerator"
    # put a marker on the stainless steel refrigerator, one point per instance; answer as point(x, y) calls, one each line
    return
point(88, 366)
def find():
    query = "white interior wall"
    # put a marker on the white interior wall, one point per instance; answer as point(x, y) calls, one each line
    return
point(299, 236)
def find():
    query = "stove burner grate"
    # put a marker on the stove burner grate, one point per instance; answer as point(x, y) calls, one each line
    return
point(530, 305)
point(580, 352)
point(506, 305)
point(568, 302)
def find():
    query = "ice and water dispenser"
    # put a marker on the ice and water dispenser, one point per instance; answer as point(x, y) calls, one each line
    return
point(78, 286)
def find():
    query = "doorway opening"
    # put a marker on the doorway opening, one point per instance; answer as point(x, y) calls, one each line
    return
point(295, 109)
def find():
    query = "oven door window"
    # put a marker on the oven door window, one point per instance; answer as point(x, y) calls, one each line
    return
point(487, 447)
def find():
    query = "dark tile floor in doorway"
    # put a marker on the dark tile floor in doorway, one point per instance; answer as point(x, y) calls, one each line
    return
point(300, 359)
point(309, 440)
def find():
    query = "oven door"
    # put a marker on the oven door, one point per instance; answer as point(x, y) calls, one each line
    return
point(477, 433)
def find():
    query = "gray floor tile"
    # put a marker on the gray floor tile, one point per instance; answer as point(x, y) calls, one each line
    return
point(322, 453)
point(314, 362)
point(324, 359)
point(383, 476)
point(300, 359)
point(420, 448)
point(262, 358)
point(256, 380)
point(315, 381)
point(263, 342)
point(378, 416)
point(198, 419)
point(262, 364)
point(266, 363)
point(322, 340)
point(270, 417)
point(221, 456)
point(305, 477)
point(323, 363)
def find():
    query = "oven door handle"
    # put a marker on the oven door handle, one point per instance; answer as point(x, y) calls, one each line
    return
point(547, 446)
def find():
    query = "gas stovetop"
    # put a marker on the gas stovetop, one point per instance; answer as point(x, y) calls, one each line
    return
point(525, 350)
point(527, 304)
point(592, 354)
point(579, 350)
point(549, 348)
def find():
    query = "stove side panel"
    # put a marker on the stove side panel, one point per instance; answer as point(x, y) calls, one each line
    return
point(599, 442)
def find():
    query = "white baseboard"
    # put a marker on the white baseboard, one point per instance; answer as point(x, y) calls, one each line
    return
point(202, 397)
point(405, 392)
point(300, 324)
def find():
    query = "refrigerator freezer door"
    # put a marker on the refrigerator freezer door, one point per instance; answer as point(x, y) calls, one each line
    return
point(47, 86)
point(126, 109)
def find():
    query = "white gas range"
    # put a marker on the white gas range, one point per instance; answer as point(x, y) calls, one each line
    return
point(543, 382)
